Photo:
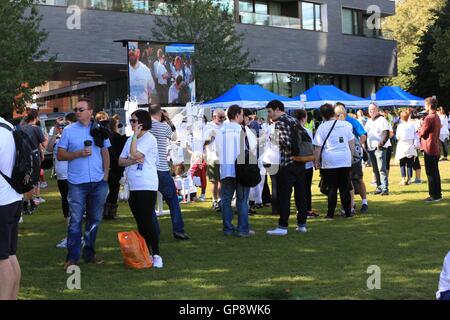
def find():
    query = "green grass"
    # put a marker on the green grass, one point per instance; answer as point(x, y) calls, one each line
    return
point(405, 237)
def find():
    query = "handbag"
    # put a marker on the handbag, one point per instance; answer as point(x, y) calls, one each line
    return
point(322, 183)
point(246, 164)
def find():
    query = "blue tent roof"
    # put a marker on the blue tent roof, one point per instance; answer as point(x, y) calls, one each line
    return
point(249, 96)
point(321, 94)
point(396, 96)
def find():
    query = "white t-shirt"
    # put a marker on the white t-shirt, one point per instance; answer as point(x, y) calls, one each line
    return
point(212, 129)
point(374, 130)
point(406, 134)
point(336, 153)
point(147, 179)
point(444, 129)
point(61, 167)
point(7, 157)
point(444, 281)
point(141, 83)
point(173, 93)
point(160, 70)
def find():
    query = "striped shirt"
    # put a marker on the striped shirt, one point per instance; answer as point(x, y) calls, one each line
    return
point(162, 133)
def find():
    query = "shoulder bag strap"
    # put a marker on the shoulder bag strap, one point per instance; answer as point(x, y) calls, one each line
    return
point(5, 126)
point(325, 141)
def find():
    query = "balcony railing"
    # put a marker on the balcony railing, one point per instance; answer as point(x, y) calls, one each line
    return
point(138, 6)
point(270, 20)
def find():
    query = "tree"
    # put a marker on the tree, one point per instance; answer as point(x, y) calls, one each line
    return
point(21, 58)
point(432, 63)
point(412, 20)
point(220, 60)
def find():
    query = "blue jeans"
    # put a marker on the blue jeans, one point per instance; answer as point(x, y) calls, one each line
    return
point(89, 198)
point(167, 188)
point(229, 186)
point(379, 162)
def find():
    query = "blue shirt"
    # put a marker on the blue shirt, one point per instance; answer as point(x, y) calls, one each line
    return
point(83, 169)
point(358, 129)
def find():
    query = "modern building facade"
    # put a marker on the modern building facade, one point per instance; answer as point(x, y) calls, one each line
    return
point(294, 44)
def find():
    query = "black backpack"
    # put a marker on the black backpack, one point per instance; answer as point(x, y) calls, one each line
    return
point(247, 170)
point(27, 164)
point(302, 148)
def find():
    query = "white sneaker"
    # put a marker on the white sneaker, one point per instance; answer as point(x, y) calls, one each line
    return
point(301, 229)
point(202, 198)
point(62, 244)
point(277, 232)
point(43, 185)
point(21, 220)
point(157, 262)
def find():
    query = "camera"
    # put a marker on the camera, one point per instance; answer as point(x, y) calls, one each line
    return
point(100, 132)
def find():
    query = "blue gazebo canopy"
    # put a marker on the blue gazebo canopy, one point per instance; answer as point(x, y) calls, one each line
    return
point(249, 96)
point(318, 95)
point(390, 96)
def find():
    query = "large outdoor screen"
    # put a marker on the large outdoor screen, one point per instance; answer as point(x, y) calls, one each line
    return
point(161, 73)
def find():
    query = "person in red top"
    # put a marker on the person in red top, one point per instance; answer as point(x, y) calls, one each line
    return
point(429, 134)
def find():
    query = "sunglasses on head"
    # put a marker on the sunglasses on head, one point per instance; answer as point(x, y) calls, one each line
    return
point(79, 109)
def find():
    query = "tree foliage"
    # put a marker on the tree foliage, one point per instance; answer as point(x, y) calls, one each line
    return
point(220, 59)
point(411, 22)
point(432, 64)
point(21, 57)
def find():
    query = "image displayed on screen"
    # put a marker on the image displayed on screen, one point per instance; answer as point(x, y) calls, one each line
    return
point(161, 73)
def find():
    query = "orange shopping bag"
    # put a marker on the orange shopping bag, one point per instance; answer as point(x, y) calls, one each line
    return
point(134, 250)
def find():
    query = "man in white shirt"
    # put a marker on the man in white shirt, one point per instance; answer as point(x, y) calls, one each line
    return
point(162, 75)
point(378, 131)
point(210, 132)
point(141, 79)
point(10, 210)
point(229, 152)
point(443, 292)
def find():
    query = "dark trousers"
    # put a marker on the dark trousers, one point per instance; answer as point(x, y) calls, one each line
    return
point(142, 205)
point(444, 148)
point(266, 197)
point(445, 296)
point(288, 177)
point(64, 191)
point(273, 178)
point(433, 175)
point(308, 182)
point(335, 179)
point(114, 187)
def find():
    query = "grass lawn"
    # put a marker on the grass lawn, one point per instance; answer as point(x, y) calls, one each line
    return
point(401, 234)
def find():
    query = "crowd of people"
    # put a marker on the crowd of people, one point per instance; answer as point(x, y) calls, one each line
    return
point(157, 77)
point(92, 157)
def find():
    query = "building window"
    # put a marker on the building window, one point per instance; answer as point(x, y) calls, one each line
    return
point(354, 22)
point(246, 6)
point(311, 16)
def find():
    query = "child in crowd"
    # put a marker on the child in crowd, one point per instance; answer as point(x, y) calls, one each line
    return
point(198, 171)
point(184, 183)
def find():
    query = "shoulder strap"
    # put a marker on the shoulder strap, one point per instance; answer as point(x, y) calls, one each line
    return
point(325, 141)
point(5, 126)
